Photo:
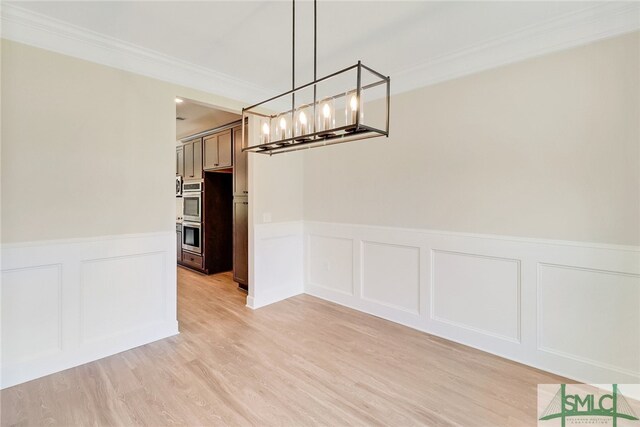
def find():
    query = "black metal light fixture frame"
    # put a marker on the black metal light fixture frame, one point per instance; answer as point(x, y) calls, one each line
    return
point(316, 137)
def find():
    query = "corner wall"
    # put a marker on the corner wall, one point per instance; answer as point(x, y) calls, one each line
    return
point(540, 160)
point(275, 212)
point(88, 202)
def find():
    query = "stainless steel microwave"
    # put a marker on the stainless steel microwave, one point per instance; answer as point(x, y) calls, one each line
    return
point(178, 186)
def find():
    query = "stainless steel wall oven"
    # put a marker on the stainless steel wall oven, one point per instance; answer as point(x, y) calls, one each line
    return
point(192, 237)
point(192, 201)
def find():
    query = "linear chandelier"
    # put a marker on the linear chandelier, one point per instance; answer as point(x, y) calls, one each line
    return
point(329, 110)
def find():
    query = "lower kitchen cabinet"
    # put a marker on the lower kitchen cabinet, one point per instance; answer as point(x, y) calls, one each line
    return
point(179, 242)
point(241, 241)
point(192, 260)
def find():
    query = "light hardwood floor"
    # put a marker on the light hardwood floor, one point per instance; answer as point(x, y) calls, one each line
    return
point(302, 361)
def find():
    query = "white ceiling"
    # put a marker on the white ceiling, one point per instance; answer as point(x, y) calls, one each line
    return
point(249, 42)
point(198, 118)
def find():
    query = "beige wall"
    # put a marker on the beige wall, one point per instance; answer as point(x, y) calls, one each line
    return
point(88, 150)
point(277, 187)
point(546, 148)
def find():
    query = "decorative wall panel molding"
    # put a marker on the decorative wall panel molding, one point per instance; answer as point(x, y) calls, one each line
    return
point(334, 270)
point(32, 321)
point(278, 263)
point(570, 308)
point(590, 316)
point(397, 287)
point(69, 302)
point(111, 287)
point(459, 281)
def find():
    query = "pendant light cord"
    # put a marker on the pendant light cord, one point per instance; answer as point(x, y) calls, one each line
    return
point(293, 47)
point(293, 62)
point(315, 40)
point(315, 61)
point(315, 56)
point(293, 43)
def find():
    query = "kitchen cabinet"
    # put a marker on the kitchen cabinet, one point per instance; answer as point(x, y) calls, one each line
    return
point(197, 158)
point(225, 204)
point(179, 242)
point(188, 160)
point(240, 211)
point(218, 151)
point(225, 150)
point(241, 241)
point(192, 260)
point(240, 187)
point(180, 161)
point(192, 159)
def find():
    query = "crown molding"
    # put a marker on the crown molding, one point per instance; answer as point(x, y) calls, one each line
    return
point(34, 29)
point(600, 21)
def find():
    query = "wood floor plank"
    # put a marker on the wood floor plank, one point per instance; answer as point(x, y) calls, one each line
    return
point(299, 362)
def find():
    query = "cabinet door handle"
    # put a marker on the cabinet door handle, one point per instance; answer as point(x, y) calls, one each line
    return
point(245, 192)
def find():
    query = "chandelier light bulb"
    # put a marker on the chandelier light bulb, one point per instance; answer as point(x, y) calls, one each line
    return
point(353, 106)
point(281, 129)
point(326, 119)
point(265, 133)
point(326, 111)
point(301, 123)
point(354, 103)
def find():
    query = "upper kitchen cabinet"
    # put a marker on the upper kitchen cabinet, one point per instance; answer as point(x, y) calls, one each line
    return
point(197, 158)
point(180, 160)
point(192, 159)
point(188, 160)
point(218, 151)
point(240, 186)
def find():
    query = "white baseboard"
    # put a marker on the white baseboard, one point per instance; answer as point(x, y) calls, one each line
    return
point(69, 302)
point(570, 308)
point(275, 295)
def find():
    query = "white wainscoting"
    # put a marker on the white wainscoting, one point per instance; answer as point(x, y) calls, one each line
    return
point(65, 303)
point(566, 307)
point(277, 254)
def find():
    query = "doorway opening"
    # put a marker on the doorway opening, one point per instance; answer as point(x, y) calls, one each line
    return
point(211, 192)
